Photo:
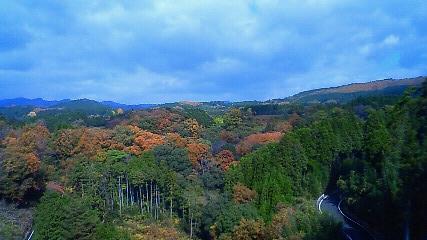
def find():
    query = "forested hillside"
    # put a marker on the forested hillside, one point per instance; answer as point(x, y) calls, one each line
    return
point(245, 171)
point(346, 93)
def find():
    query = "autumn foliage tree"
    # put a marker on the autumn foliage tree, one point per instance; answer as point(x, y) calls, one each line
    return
point(193, 127)
point(88, 142)
point(93, 141)
point(281, 220)
point(243, 194)
point(228, 136)
point(249, 229)
point(224, 159)
point(20, 164)
point(65, 142)
point(197, 152)
point(145, 140)
point(34, 139)
point(176, 139)
point(252, 140)
point(158, 121)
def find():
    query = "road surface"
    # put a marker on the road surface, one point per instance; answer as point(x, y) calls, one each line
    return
point(331, 204)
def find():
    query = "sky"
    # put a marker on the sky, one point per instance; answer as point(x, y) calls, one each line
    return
point(164, 51)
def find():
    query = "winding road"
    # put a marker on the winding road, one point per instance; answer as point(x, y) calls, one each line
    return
point(331, 204)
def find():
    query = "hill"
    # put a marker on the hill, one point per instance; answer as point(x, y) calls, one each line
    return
point(128, 107)
point(36, 102)
point(349, 92)
point(42, 103)
point(84, 105)
point(340, 94)
point(15, 112)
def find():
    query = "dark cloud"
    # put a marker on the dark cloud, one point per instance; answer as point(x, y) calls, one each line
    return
point(157, 51)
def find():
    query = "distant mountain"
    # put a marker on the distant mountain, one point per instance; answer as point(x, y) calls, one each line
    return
point(36, 102)
point(41, 103)
point(340, 94)
point(116, 105)
point(84, 105)
point(349, 92)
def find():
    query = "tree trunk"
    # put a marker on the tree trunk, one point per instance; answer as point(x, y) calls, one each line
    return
point(120, 196)
point(171, 206)
point(131, 195)
point(156, 210)
point(183, 213)
point(127, 191)
point(146, 199)
point(160, 203)
point(151, 197)
point(112, 195)
point(141, 198)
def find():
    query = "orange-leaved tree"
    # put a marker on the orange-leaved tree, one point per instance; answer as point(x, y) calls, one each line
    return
point(93, 142)
point(66, 141)
point(224, 159)
point(243, 194)
point(176, 139)
point(252, 140)
point(196, 152)
point(144, 140)
point(20, 164)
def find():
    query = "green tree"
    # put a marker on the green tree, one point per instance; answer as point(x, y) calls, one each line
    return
point(377, 140)
point(64, 217)
point(233, 119)
point(175, 158)
point(231, 215)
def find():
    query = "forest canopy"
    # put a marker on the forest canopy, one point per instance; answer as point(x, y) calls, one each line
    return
point(250, 172)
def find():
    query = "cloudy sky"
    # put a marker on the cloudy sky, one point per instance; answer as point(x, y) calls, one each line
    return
point(162, 51)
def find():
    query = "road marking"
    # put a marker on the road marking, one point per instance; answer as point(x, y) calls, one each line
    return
point(319, 205)
point(339, 208)
point(31, 235)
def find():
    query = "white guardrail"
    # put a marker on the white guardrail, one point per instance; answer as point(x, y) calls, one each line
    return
point(320, 200)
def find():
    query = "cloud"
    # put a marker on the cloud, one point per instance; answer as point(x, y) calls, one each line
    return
point(391, 40)
point(164, 50)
